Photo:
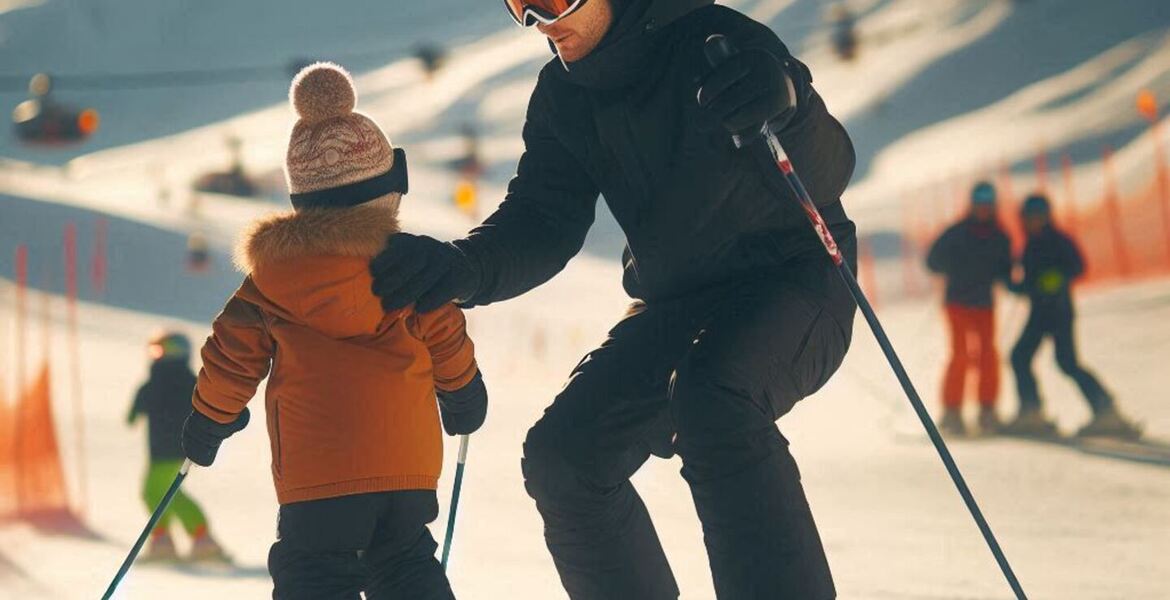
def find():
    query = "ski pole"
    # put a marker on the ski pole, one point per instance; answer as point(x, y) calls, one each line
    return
point(154, 519)
point(717, 49)
point(462, 461)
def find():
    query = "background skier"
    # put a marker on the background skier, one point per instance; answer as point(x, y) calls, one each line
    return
point(738, 313)
point(1051, 263)
point(972, 255)
point(165, 401)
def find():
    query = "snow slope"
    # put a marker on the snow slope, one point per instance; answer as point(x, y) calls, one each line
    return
point(1075, 526)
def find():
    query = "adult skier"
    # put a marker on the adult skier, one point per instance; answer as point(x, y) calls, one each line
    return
point(737, 313)
point(165, 401)
point(972, 255)
point(1051, 263)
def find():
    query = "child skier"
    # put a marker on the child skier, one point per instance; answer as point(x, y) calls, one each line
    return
point(1051, 263)
point(350, 401)
point(165, 400)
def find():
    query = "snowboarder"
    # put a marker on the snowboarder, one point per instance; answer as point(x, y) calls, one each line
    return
point(1051, 263)
point(738, 313)
point(972, 255)
point(350, 403)
point(165, 401)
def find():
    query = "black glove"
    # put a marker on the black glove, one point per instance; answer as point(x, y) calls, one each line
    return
point(747, 90)
point(419, 270)
point(202, 436)
point(464, 410)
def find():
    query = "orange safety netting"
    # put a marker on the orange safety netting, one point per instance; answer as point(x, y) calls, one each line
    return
point(1123, 235)
point(32, 479)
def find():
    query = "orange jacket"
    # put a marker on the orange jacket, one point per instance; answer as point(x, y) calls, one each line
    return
point(351, 395)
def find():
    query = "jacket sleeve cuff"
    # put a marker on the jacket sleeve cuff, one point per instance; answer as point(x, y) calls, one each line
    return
point(471, 254)
point(465, 398)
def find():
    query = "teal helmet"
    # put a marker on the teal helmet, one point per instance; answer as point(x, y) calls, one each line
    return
point(170, 345)
point(1036, 205)
point(983, 194)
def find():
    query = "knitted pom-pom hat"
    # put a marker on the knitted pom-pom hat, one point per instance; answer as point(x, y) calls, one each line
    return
point(336, 157)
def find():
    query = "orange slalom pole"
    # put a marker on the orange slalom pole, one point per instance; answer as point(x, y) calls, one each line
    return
point(1070, 195)
point(1113, 209)
point(1041, 166)
point(99, 265)
point(70, 247)
point(1163, 179)
point(21, 298)
point(21, 360)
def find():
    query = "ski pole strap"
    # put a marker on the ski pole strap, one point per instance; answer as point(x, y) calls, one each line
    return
point(150, 525)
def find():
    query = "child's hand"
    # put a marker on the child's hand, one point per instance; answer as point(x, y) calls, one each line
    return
point(202, 436)
point(464, 410)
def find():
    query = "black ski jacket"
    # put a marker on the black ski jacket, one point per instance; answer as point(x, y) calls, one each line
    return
point(624, 122)
point(972, 256)
point(1051, 263)
point(165, 400)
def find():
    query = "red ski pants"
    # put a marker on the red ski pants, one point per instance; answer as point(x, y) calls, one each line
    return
point(972, 346)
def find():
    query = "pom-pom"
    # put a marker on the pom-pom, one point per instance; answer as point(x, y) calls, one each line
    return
point(322, 91)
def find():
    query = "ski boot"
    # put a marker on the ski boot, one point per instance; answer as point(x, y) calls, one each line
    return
point(951, 422)
point(1110, 423)
point(161, 549)
point(989, 423)
point(1031, 423)
point(204, 548)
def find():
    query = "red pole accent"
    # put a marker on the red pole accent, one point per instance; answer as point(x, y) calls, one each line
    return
point(1113, 209)
point(1070, 195)
point(99, 266)
point(74, 344)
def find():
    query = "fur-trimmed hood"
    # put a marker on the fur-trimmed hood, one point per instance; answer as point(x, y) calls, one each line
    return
point(360, 231)
point(312, 266)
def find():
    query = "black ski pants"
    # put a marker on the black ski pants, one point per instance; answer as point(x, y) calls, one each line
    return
point(1055, 322)
point(336, 548)
point(706, 377)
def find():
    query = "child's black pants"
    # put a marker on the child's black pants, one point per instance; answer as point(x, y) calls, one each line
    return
point(377, 543)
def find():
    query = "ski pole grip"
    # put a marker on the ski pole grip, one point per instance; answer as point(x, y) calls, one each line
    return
point(717, 49)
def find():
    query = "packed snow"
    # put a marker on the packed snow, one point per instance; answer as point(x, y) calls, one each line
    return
point(1075, 526)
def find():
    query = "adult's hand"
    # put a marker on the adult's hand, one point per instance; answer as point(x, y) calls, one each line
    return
point(748, 89)
point(420, 270)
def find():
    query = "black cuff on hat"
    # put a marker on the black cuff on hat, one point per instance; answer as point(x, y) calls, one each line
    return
point(353, 194)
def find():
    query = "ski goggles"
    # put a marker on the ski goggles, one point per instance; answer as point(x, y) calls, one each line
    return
point(527, 13)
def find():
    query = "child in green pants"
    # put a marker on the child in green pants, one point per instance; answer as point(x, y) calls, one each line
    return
point(165, 401)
